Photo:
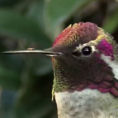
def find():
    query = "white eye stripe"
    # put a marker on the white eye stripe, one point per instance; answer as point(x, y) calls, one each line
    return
point(94, 49)
point(80, 47)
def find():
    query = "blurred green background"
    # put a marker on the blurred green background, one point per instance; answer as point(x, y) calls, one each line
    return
point(26, 80)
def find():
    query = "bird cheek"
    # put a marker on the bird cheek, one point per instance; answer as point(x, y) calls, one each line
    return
point(106, 48)
point(98, 57)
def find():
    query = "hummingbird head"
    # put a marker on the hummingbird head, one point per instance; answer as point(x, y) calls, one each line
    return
point(83, 57)
point(87, 60)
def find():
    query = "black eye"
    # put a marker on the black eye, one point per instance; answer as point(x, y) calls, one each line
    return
point(87, 50)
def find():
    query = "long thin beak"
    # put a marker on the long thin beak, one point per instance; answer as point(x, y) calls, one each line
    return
point(47, 52)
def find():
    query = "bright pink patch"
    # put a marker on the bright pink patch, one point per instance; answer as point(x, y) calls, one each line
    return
point(106, 48)
point(93, 86)
point(114, 91)
point(85, 31)
point(104, 86)
point(116, 85)
point(62, 36)
point(104, 90)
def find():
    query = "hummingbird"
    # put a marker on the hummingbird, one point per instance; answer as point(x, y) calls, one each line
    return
point(85, 64)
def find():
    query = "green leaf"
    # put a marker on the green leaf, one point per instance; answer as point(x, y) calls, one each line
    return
point(58, 11)
point(41, 66)
point(14, 24)
point(111, 22)
point(9, 79)
point(8, 2)
point(35, 12)
point(35, 96)
point(8, 99)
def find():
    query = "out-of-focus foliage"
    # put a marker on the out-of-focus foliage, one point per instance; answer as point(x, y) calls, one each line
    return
point(58, 11)
point(26, 80)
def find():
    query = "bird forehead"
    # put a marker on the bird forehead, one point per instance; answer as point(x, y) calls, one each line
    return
point(68, 36)
point(79, 32)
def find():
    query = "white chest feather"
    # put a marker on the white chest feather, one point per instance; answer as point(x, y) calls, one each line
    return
point(86, 104)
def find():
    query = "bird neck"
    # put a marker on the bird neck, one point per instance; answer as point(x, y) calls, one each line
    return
point(71, 78)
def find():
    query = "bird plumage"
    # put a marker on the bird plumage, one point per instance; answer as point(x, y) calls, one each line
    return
point(85, 64)
point(86, 104)
point(85, 77)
